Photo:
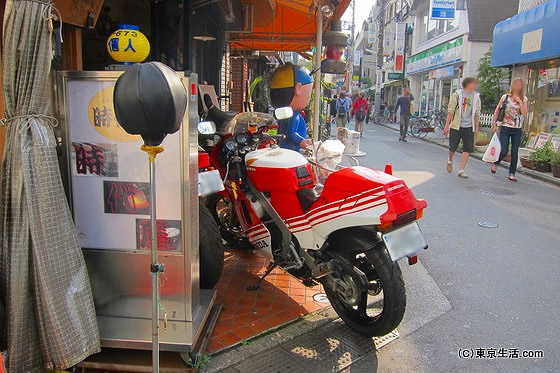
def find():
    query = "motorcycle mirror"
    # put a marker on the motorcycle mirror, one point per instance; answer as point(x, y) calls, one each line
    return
point(206, 127)
point(283, 113)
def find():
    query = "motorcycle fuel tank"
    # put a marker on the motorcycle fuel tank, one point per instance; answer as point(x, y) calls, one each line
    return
point(274, 157)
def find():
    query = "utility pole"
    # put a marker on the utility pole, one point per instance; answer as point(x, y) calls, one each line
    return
point(380, 42)
point(352, 48)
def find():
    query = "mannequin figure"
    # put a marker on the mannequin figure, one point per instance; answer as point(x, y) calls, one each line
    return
point(291, 85)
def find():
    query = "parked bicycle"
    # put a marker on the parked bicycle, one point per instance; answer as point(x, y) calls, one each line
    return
point(382, 116)
point(422, 125)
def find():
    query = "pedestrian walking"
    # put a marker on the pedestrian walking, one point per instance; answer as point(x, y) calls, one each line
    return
point(404, 102)
point(343, 104)
point(507, 122)
point(332, 108)
point(463, 114)
point(359, 112)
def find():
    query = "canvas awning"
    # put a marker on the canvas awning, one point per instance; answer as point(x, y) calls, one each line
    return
point(291, 26)
point(528, 37)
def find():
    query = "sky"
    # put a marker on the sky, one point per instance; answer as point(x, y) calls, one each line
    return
point(362, 11)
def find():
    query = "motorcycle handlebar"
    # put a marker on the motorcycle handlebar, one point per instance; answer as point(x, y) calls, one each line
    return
point(238, 171)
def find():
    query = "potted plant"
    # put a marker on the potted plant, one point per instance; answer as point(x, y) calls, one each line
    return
point(527, 162)
point(542, 157)
point(555, 164)
point(481, 142)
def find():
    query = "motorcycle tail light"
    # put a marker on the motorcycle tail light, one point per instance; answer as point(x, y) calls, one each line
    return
point(419, 214)
point(405, 218)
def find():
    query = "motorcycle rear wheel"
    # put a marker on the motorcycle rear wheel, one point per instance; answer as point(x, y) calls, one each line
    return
point(394, 298)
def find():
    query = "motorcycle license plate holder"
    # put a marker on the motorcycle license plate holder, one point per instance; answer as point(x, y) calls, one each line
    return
point(209, 182)
point(404, 241)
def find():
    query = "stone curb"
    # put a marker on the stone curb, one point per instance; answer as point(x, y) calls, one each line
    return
point(523, 171)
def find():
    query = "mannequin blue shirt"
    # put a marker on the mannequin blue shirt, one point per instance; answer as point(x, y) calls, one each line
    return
point(295, 130)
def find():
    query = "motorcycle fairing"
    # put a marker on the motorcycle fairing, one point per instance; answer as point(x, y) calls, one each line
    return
point(255, 231)
point(312, 228)
point(260, 237)
point(354, 196)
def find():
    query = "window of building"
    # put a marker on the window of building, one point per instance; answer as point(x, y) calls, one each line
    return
point(433, 28)
point(543, 91)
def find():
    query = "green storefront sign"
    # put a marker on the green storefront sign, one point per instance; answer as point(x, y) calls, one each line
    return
point(441, 55)
point(395, 76)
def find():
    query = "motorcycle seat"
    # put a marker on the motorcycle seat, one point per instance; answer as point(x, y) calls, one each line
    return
point(219, 117)
point(306, 197)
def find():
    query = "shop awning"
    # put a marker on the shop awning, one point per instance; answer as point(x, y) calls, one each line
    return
point(291, 27)
point(528, 37)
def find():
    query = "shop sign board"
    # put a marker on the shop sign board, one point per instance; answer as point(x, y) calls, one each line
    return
point(399, 46)
point(372, 33)
point(443, 72)
point(433, 58)
point(109, 174)
point(357, 57)
point(395, 76)
point(442, 9)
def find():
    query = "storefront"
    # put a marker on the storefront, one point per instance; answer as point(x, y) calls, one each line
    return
point(435, 73)
point(528, 43)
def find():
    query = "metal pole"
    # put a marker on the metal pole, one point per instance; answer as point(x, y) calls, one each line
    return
point(352, 54)
point(317, 77)
point(154, 269)
point(381, 40)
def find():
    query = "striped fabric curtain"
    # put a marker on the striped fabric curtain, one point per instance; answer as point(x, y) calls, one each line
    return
point(51, 320)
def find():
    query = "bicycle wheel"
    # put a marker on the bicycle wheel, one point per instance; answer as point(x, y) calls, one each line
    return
point(418, 130)
point(378, 118)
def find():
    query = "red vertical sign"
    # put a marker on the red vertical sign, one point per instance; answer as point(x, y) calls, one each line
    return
point(399, 62)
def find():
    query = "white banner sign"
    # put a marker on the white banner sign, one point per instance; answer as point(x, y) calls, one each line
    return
point(399, 47)
point(442, 9)
point(357, 56)
point(372, 33)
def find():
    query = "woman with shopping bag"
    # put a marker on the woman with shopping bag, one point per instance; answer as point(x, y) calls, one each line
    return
point(508, 122)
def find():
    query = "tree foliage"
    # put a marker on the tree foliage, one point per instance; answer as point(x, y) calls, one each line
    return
point(490, 79)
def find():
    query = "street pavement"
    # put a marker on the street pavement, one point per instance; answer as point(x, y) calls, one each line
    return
point(502, 283)
point(475, 287)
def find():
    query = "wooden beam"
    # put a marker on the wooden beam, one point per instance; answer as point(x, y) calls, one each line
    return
point(72, 48)
point(76, 12)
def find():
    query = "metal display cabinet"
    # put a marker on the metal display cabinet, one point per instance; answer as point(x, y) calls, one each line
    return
point(107, 181)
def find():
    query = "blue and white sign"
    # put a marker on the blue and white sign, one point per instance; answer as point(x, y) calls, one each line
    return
point(442, 9)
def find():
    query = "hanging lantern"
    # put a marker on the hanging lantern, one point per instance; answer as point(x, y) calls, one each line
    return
point(335, 42)
point(128, 45)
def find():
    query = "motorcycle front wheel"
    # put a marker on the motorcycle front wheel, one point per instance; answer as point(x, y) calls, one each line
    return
point(378, 309)
point(224, 215)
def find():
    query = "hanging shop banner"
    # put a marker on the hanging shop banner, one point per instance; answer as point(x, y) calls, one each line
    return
point(109, 174)
point(441, 73)
point(442, 9)
point(372, 33)
point(433, 58)
point(357, 57)
point(399, 46)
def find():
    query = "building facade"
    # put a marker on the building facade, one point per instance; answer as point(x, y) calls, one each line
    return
point(528, 43)
point(445, 51)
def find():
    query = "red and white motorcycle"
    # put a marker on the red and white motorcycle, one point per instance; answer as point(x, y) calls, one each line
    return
point(347, 234)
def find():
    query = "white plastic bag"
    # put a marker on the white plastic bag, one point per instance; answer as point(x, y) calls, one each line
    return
point(329, 153)
point(492, 153)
